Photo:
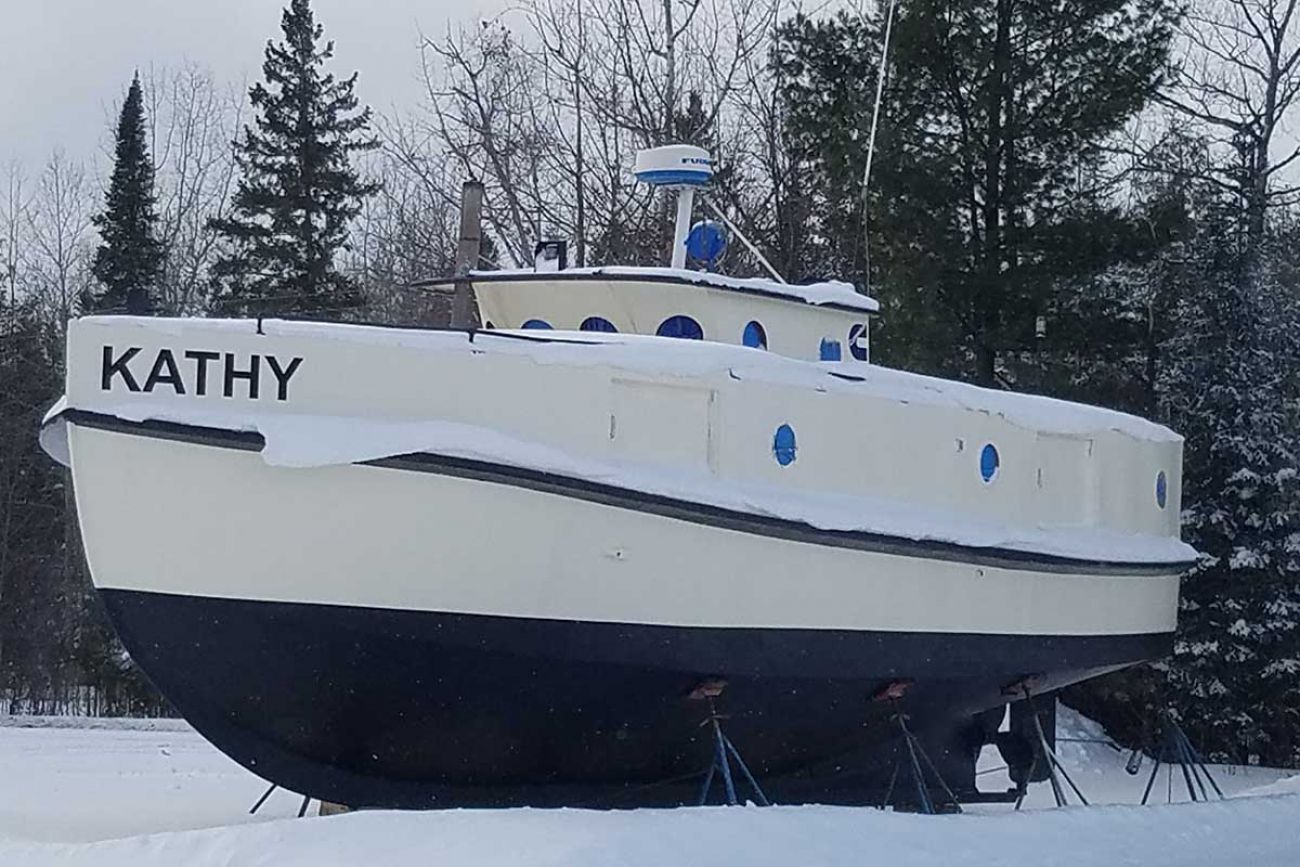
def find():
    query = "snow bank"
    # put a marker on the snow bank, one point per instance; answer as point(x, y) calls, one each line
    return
point(81, 723)
point(1261, 832)
point(99, 797)
point(825, 292)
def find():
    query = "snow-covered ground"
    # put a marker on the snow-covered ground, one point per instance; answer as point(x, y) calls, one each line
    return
point(155, 793)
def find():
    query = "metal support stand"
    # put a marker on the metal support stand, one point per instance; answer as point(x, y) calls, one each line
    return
point(1056, 771)
point(916, 757)
point(723, 751)
point(1176, 749)
point(917, 760)
point(262, 800)
point(302, 811)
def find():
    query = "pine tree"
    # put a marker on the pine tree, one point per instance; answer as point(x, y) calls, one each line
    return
point(130, 259)
point(987, 185)
point(299, 191)
point(1231, 390)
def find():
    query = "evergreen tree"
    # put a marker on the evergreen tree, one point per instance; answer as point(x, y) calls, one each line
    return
point(1230, 388)
point(299, 191)
point(130, 259)
point(987, 187)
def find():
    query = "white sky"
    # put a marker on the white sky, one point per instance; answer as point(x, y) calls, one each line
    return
point(65, 63)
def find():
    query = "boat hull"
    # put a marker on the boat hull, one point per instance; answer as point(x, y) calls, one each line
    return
point(366, 634)
point(410, 709)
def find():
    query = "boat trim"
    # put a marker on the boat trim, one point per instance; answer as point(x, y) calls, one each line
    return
point(655, 504)
point(617, 277)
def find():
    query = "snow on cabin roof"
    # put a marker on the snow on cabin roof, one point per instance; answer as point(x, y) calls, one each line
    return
point(830, 292)
point(650, 355)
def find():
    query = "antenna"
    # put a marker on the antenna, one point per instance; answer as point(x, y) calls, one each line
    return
point(871, 139)
point(683, 168)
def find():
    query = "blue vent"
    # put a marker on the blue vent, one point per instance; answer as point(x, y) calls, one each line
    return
point(830, 350)
point(597, 323)
point(1162, 489)
point(537, 325)
point(681, 326)
point(754, 336)
point(858, 342)
point(783, 445)
point(706, 242)
point(989, 462)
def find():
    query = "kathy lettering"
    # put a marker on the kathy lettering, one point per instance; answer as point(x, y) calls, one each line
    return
point(195, 371)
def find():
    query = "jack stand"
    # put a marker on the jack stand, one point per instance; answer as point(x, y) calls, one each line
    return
point(722, 748)
point(893, 692)
point(302, 811)
point(262, 800)
point(1056, 771)
point(1176, 749)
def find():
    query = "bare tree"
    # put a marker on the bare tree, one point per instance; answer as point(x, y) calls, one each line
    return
point(60, 238)
point(548, 106)
point(192, 121)
point(1240, 79)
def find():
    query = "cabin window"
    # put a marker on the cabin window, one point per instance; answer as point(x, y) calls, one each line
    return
point(830, 350)
point(990, 461)
point(681, 326)
point(537, 325)
point(858, 341)
point(783, 445)
point(1162, 489)
point(754, 336)
point(597, 323)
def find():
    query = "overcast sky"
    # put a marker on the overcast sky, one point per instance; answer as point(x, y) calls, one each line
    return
point(64, 63)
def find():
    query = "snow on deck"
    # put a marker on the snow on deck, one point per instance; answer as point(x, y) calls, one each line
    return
point(120, 797)
point(825, 292)
point(666, 356)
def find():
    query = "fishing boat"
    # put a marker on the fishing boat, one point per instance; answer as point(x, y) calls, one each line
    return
point(499, 566)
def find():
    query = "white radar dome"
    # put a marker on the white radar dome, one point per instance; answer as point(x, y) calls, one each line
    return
point(674, 166)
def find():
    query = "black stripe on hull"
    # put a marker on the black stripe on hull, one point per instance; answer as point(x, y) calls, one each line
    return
point(415, 709)
point(669, 507)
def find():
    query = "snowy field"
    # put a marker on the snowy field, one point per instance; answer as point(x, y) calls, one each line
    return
point(97, 793)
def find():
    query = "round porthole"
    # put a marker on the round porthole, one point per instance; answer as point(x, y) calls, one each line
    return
point(597, 323)
point(537, 325)
point(754, 336)
point(783, 445)
point(681, 326)
point(858, 342)
point(989, 462)
point(1162, 489)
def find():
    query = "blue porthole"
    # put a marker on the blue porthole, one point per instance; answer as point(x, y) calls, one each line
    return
point(537, 325)
point(830, 349)
point(754, 336)
point(681, 326)
point(783, 445)
point(989, 462)
point(597, 323)
point(1162, 489)
point(858, 342)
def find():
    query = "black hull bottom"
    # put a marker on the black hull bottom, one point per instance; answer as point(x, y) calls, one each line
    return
point(372, 707)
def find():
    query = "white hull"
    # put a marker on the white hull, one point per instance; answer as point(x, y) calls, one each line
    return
point(401, 539)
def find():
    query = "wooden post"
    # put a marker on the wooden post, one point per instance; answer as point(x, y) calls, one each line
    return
point(467, 251)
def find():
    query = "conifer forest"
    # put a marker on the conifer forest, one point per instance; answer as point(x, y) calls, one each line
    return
point(1096, 200)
